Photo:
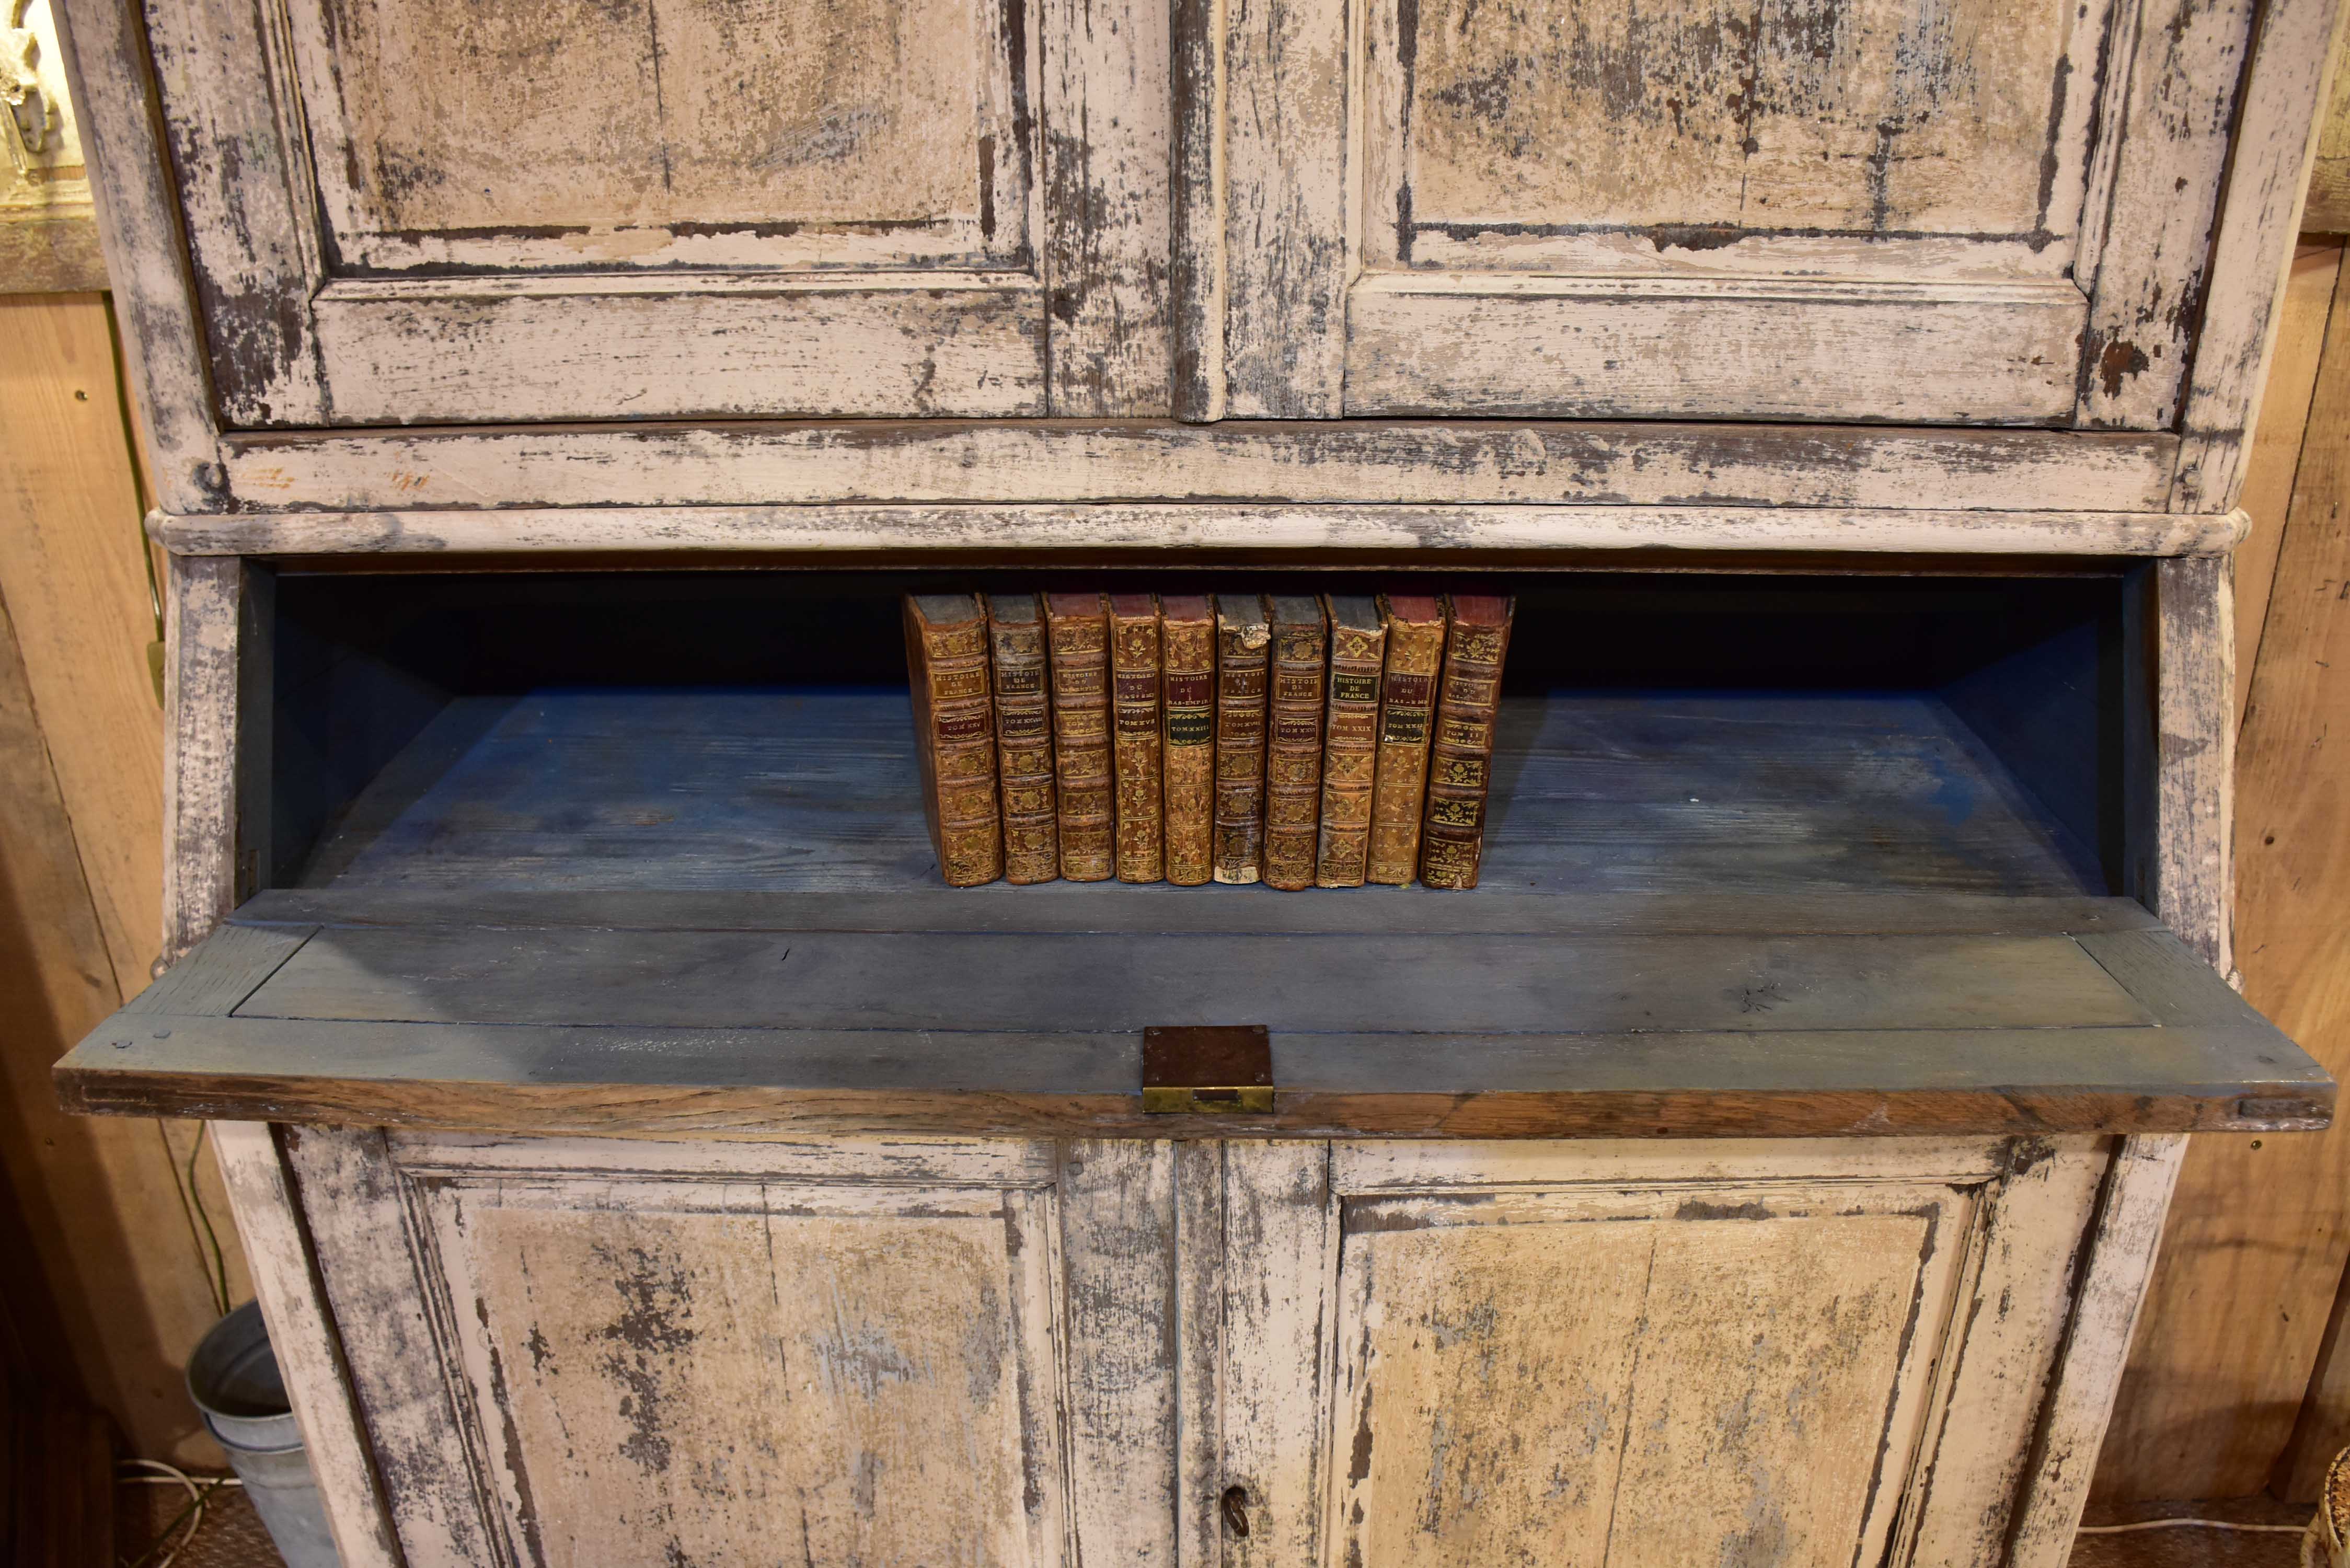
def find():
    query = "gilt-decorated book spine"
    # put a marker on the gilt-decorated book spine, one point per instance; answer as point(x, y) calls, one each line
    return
point(954, 734)
point(1135, 741)
point(1461, 757)
point(1243, 646)
point(1187, 633)
point(1024, 738)
point(1078, 625)
point(1415, 657)
point(1350, 741)
point(1292, 753)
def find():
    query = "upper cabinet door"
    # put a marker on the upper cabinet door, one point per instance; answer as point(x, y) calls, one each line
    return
point(1911, 210)
point(406, 210)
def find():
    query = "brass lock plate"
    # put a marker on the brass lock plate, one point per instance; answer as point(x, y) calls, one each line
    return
point(1207, 1070)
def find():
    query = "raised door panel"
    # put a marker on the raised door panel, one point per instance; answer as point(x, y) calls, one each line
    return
point(409, 211)
point(1851, 210)
point(574, 1354)
point(1784, 1353)
point(1539, 1378)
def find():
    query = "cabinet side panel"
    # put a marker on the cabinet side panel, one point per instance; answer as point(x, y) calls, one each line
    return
point(302, 1334)
point(373, 1281)
point(106, 67)
point(2121, 1251)
point(2010, 1321)
point(2268, 178)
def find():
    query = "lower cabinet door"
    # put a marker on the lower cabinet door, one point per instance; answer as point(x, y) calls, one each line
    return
point(599, 1353)
point(1438, 1355)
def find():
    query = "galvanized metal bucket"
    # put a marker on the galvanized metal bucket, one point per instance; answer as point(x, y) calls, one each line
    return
point(235, 1381)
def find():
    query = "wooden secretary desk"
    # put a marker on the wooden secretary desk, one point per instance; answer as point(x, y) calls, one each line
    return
point(643, 1159)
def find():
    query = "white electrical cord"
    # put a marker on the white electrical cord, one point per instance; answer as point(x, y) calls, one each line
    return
point(172, 1475)
point(2191, 1525)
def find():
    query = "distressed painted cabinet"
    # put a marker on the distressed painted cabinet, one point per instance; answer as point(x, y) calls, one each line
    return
point(420, 213)
point(1955, 211)
point(642, 1158)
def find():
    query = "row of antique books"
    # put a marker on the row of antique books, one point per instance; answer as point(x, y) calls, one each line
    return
point(1303, 741)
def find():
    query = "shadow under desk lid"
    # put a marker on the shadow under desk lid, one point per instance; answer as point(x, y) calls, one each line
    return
point(1020, 1011)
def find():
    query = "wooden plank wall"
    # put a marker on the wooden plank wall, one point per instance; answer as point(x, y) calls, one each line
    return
point(81, 876)
point(2242, 1309)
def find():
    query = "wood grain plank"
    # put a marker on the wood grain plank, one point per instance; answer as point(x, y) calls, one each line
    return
point(2328, 207)
point(2276, 446)
point(1423, 982)
point(234, 964)
point(949, 531)
point(608, 1081)
point(73, 570)
point(2273, 138)
point(1087, 906)
point(1405, 461)
point(102, 1201)
point(2208, 1402)
point(643, 789)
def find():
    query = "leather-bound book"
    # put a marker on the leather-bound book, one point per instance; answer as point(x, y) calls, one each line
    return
point(1461, 757)
point(1187, 634)
point(954, 734)
point(1244, 648)
point(1024, 738)
point(1135, 741)
point(1078, 628)
point(1407, 705)
point(1350, 739)
point(1292, 753)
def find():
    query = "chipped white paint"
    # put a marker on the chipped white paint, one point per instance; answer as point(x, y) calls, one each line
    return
point(1494, 344)
point(2294, 53)
point(2195, 743)
point(1683, 1374)
point(302, 1336)
point(441, 213)
point(202, 600)
point(1925, 149)
point(1453, 461)
point(2122, 1249)
point(619, 125)
point(1271, 526)
point(1385, 1341)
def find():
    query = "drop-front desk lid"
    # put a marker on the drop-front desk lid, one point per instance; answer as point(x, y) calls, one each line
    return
point(1023, 1010)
